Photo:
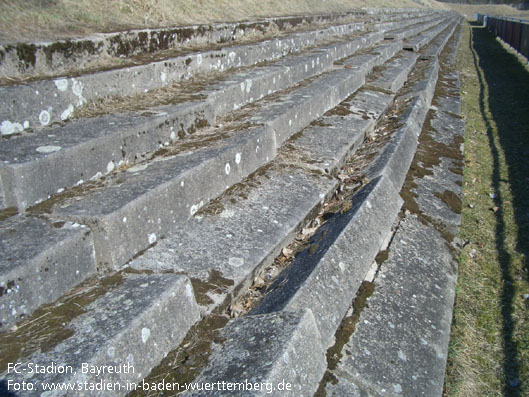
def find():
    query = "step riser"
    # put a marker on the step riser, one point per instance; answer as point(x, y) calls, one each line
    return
point(121, 234)
point(279, 340)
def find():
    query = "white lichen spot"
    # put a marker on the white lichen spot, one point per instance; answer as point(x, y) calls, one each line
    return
point(231, 55)
point(368, 205)
point(7, 127)
point(124, 219)
point(397, 388)
point(61, 84)
point(189, 291)
point(163, 77)
point(235, 262)
point(182, 183)
point(227, 214)
point(44, 117)
point(199, 59)
point(26, 124)
point(96, 176)
point(402, 356)
point(48, 149)
point(152, 238)
point(238, 158)
point(193, 210)
point(248, 85)
point(306, 67)
point(77, 88)
point(243, 86)
point(290, 123)
point(110, 166)
point(173, 135)
point(286, 358)
point(111, 351)
point(138, 168)
point(341, 265)
point(67, 113)
point(145, 334)
point(257, 149)
point(227, 168)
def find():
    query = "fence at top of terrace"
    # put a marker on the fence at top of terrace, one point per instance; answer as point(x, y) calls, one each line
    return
point(512, 31)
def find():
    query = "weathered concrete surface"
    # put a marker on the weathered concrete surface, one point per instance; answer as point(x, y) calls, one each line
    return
point(326, 276)
point(35, 166)
point(396, 156)
point(439, 42)
point(413, 30)
point(396, 72)
point(39, 263)
point(148, 191)
point(402, 20)
point(249, 232)
point(20, 59)
point(133, 326)
point(417, 42)
point(41, 103)
point(401, 341)
point(269, 350)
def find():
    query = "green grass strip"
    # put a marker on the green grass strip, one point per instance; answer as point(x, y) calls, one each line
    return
point(489, 349)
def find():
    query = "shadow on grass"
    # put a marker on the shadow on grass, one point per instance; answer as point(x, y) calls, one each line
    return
point(506, 114)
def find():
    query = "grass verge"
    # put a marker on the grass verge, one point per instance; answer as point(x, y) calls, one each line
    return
point(489, 349)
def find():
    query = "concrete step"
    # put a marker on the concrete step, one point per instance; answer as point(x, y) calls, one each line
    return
point(227, 242)
point(414, 29)
point(40, 262)
point(145, 191)
point(407, 318)
point(128, 212)
point(402, 21)
point(36, 166)
point(325, 276)
point(41, 103)
point(138, 320)
point(422, 39)
point(63, 56)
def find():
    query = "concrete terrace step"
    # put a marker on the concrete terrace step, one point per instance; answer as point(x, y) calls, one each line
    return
point(402, 21)
point(146, 191)
point(134, 325)
point(324, 279)
point(407, 319)
point(414, 29)
point(40, 261)
point(128, 212)
point(81, 149)
point(41, 103)
point(61, 56)
point(157, 214)
point(422, 39)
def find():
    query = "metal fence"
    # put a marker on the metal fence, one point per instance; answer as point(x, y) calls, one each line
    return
point(514, 32)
